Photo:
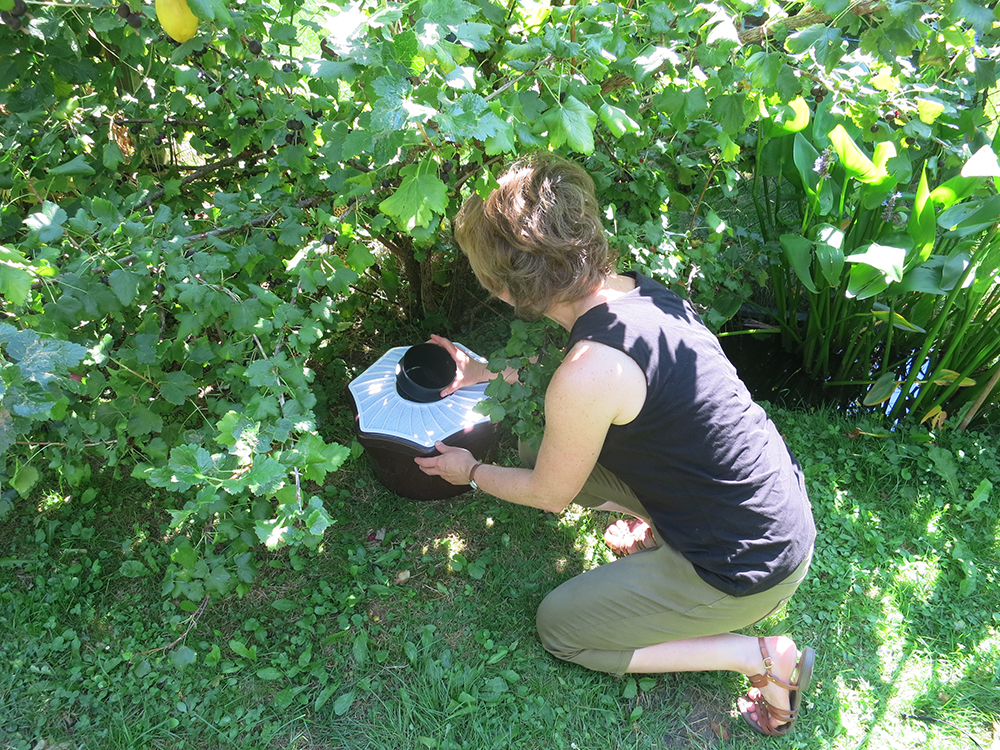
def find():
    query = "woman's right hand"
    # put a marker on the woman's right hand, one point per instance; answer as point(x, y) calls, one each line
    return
point(467, 370)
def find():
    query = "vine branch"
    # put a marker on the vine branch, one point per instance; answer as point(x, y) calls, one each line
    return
point(757, 35)
point(201, 172)
point(194, 621)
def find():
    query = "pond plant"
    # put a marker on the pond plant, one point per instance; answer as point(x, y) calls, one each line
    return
point(900, 289)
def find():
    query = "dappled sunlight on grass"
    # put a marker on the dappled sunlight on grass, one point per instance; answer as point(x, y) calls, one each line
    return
point(588, 543)
point(339, 638)
point(451, 544)
point(572, 516)
point(52, 500)
point(932, 524)
point(988, 649)
point(917, 577)
point(914, 673)
point(857, 707)
point(592, 550)
point(892, 637)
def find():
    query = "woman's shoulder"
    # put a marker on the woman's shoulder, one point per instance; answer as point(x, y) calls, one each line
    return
point(592, 370)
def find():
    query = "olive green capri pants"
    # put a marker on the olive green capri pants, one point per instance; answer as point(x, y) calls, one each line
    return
point(599, 618)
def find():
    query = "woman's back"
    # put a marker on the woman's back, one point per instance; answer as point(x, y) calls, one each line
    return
point(703, 458)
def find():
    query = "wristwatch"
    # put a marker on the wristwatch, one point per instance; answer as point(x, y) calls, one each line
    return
point(472, 475)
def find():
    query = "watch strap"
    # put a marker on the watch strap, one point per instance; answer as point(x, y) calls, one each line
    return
point(472, 475)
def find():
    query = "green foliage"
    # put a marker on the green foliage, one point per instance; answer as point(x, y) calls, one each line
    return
point(34, 378)
point(886, 283)
point(534, 350)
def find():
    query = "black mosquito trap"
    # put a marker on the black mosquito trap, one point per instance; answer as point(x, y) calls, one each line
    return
point(400, 415)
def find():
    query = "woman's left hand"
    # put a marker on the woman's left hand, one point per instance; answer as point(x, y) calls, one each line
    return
point(453, 465)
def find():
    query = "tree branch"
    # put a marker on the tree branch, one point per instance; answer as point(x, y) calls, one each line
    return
point(758, 34)
point(194, 621)
point(149, 120)
point(201, 172)
point(260, 221)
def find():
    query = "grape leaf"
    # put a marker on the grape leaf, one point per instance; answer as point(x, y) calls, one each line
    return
point(447, 12)
point(265, 477)
point(417, 199)
point(389, 113)
point(15, 283)
point(474, 35)
point(730, 113)
point(112, 156)
point(211, 10)
point(145, 348)
point(617, 120)
point(465, 118)
point(40, 360)
point(77, 166)
point(184, 554)
point(177, 386)
point(789, 86)
point(124, 284)
point(318, 520)
point(24, 479)
point(501, 140)
point(330, 70)
point(218, 580)
point(47, 222)
point(142, 421)
point(571, 122)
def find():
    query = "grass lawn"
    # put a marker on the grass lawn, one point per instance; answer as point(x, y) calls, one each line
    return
point(412, 627)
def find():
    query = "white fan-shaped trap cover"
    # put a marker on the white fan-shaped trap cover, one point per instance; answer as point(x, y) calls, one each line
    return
point(382, 411)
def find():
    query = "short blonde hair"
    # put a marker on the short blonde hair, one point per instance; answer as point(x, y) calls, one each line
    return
point(538, 237)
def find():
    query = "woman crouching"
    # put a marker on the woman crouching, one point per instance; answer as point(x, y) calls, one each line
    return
point(646, 417)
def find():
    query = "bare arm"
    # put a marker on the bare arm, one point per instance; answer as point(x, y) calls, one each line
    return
point(595, 387)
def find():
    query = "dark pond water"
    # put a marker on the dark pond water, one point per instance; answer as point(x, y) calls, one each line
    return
point(775, 375)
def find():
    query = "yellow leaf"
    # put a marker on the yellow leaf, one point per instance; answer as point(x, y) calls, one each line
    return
point(948, 377)
point(931, 414)
point(929, 110)
point(937, 416)
point(885, 82)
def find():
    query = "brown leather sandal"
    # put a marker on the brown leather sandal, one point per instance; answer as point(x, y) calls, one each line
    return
point(637, 537)
point(764, 710)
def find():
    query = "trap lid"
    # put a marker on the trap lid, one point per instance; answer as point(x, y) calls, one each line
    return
point(383, 412)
